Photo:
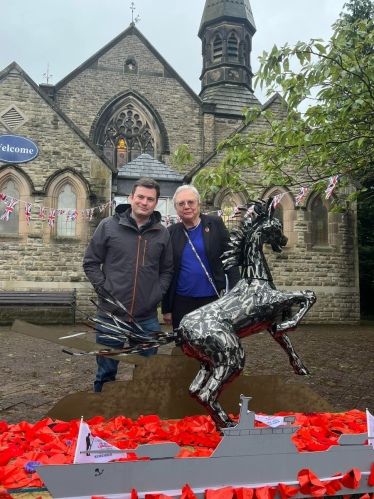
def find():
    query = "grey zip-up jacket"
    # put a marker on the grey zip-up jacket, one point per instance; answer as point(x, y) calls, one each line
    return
point(136, 267)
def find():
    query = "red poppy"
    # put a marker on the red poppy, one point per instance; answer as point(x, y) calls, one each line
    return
point(244, 493)
point(371, 477)
point(310, 484)
point(224, 493)
point(157, 496)
point(266, 492)
point(287, 491)
point(333, 486)
point(187, 493)
point(351, 480)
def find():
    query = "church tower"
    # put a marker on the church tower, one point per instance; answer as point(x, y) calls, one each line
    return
point(226, 32)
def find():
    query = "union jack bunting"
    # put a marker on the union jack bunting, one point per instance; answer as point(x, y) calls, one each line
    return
point(179, 220)
point(235, 211)
point(9, 209)
point(83, 213)
point(87, 215)
point(42, 212)
point(249, 211)
point(102, 208)
point(277, 199)
point(167, 221)
point(3, 197)
point(60, 212)
point(300, 196)
point(91, 213)
point(220, 213)
point(332, 184)
point(68, 216)
point(28, 207)
point(73, 216)
point(52, 217)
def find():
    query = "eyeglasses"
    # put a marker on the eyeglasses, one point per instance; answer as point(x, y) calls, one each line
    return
point(190, 203)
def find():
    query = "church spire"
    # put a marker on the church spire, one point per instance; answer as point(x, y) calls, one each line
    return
point(216, 11)
point(226, 32)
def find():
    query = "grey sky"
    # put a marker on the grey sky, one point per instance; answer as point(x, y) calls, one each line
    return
point(67, 32)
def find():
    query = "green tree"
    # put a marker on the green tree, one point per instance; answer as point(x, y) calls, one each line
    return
point(335, 134)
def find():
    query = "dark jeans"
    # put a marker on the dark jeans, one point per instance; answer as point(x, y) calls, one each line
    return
point(183, 305)
point(107, 368)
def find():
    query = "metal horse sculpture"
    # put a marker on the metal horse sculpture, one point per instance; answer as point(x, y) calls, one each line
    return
point(212, 333)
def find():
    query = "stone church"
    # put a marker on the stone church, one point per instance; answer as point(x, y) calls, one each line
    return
point(121, 115)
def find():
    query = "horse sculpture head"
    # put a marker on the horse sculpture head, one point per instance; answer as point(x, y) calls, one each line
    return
point(264, 227)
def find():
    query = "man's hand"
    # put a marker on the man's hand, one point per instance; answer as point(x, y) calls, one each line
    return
point(167, 319)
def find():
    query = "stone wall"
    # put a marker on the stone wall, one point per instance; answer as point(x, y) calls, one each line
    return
point(83, 97)
point(36, 258)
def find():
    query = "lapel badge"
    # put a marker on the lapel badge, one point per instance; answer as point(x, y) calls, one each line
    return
point(206, 229)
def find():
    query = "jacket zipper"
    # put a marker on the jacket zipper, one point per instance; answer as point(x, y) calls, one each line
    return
point(136, 270)
point(145, 249)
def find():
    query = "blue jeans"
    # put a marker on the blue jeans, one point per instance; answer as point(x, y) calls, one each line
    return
point(107, 368)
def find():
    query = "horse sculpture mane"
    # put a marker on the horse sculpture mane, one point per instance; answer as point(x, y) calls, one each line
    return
point(212, 333)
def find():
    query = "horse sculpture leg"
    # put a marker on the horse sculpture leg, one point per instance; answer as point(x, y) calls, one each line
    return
point(222, 360)
point(295, 360)
point(221, 376)
point(306, 300)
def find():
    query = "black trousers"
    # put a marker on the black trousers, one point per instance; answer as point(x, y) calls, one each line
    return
point(184, 304)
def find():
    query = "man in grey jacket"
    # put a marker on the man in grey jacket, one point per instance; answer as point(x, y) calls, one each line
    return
point(130, 255)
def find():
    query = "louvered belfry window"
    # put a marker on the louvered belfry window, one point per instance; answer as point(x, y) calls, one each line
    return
point(12, 118)
point(232, 48)
point(217, 48)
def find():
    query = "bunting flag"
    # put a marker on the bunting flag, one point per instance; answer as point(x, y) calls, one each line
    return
point(249, 211)
point(42, 212)
point(60, 212)
point(179, 220)
point(92, 449)
point(52, 217)
point(332, 184)
point(167, 221)
point(235, 211)
point(83, 213)
point(301, 195)
point(102, 208)
point(9, 209)
point(3, 197)
point(220, 213)
point(68, 216)
point(91, 213)
point(74, 216)
point(28, 207)
point(277, 199)
point(87, 215)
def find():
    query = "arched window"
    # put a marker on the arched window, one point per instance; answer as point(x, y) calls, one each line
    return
point(127, 136)
point(217, 48)
point(67, 191)
point(10, 226)
point(279, 213)
point(320, 227)
point(66, 201)
point(232, 48)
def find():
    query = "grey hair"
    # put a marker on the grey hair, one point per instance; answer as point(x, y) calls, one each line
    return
point(186, 188)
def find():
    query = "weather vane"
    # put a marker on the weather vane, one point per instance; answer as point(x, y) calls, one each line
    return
point(46, 75)
point(137, 18)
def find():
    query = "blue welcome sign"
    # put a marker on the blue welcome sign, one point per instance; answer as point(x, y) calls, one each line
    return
point(17, 149)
